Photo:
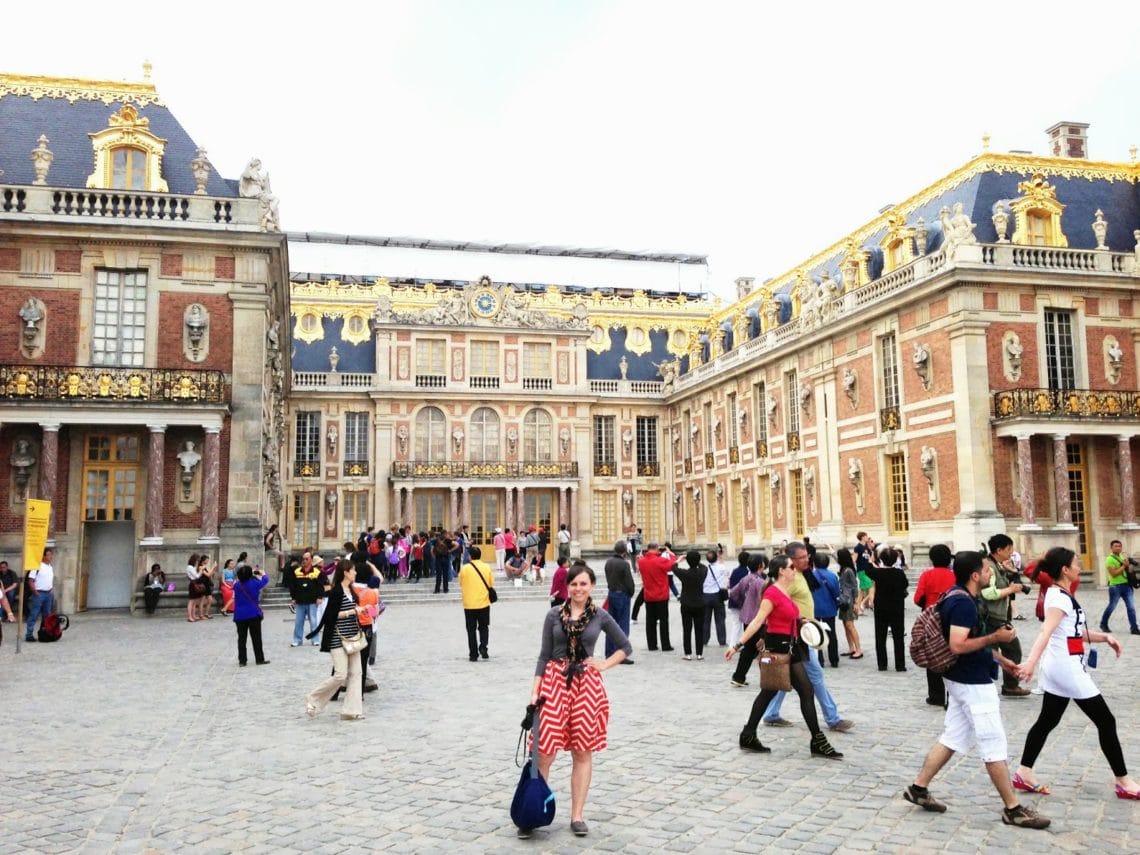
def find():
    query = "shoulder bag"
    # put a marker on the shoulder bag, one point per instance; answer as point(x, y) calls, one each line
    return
point(775, 671)
point(494, 597)
point(355, 643)
point(721, 591)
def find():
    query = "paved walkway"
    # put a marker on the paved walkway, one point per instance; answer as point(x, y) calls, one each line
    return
point(138, 735)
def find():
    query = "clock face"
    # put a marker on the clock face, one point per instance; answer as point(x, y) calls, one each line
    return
point(485, 303)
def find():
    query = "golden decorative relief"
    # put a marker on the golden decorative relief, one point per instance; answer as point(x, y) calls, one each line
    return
point(126, 129)
point(62, 383)
point(1037, 214)
point(309, 328)
point(355, 329)
point(74, 89)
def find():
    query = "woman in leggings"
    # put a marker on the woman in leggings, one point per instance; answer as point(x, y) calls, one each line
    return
point(782, 616)
point(1061, 651)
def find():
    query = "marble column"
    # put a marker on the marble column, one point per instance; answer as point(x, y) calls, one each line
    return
point(465, 507)
point(1025, 470)
point(573, 491)
point(520, 510)
point(1061, 480)
point(454, 518)
point(410, 511)
point(211, 484)
point(1127, 499)
point(509, 518)
point(562, 499)
point(155, 480)
point(49, 471)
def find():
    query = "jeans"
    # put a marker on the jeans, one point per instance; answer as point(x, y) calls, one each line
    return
point(442, 572)
point(308, 610)
point(826, 702)
point(619, 611)
point(252, 627)
point(714, 608)
point(1116, 593)
point(40, 608)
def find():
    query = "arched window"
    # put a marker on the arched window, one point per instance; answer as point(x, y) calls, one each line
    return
point(483, 445)
point(537, 435)
point(431, 435)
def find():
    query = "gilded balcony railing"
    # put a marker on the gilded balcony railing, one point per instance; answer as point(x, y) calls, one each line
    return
point(648, 469)
point(100, 383)
point(488, 469)
point(1066, 403)
point(355, 468)
point(792, 438)
point(889, 418)
point(306, 469)
point(710, 459)
point(761, 448)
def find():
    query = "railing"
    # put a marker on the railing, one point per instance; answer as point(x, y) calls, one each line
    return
point(647, 387)
point(792, 440)
point(537, 384)
point(484, 469)
point(649, 469)
point(1066, 403)
point(761, 448)
point(655, 388)
point(355, 468)
point(483, 382)
point(331, 380)
point(604, 468)
point(431, 381)
point(162, 209)
point(96, 383)
point(889, 418)
point(603, 386)
point(306, 469)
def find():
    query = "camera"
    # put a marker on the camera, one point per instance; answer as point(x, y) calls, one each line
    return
point(1133, 562)
point(1025, 589)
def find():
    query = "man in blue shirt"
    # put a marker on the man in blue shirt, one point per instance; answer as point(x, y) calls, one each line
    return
point(826, 598)
point(973, 715)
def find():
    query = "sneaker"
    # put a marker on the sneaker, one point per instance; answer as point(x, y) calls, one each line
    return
point(1135, 630)
point(687, 658)
point(294, 644)
point(778, 722)
point(841, 726)
point(740, 684)
point(923, 799)
point(1024, 817)
point(699, 656)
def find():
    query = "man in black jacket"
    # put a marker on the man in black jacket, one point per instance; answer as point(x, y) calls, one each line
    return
point(306, 589)
point(619, 580)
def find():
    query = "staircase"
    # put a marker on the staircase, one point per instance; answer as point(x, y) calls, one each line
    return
point(421, 592)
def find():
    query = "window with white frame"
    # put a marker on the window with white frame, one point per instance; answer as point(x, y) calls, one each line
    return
point(119, 332)
point(646, 437)
point(1060, 351)
point(538, 428)
point(355, 437)
point(792, 401)
point(431, 435)
point(308, 437)
point(888, 350)
point(483, 445)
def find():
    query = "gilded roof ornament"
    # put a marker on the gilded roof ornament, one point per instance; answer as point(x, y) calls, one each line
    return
point(73, 89)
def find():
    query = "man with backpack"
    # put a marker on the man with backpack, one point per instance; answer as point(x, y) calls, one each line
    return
point(973, 716)
point(43, 584)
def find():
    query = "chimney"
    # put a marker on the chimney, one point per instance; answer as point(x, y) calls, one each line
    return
point(744, 286)
point(1069, 139)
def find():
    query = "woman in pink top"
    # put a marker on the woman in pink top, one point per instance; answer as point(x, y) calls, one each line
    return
point(781, 635)
point(509, 543)
point(500, 543)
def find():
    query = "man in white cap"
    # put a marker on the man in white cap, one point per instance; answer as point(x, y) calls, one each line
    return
point(500, 543)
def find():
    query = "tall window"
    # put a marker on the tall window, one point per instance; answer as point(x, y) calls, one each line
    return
point(431, 363)
point(307, 458)
point(484, 359)
point(604, 445)
point(1040, 228)
point(792, 402)
point(431, 435)
point(483, 444)
point(429, 509)
point(536, 366)
point(537, 430)
point(687, 433)
point(1060, 354)
point(889, 352)
point(649, 514)
point(708, 441)
point(764, 508)
point(356, 437)
point(110, 476)
point(355, 514)
point(760, 412)
point(646, 440)
point(119, 333)
point(306, 518)
point(733, 435)
point(605, 516)
point(899, 506)
point(128, 168)
point(799, 517)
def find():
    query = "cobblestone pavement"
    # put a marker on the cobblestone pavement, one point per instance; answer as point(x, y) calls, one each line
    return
point(137, 735)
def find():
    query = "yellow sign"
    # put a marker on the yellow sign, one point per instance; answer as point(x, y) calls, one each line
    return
point(36, 522)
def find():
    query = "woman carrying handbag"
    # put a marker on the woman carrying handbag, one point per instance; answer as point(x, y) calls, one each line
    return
point(343, 639)
point(247, 612)
point(783, 649)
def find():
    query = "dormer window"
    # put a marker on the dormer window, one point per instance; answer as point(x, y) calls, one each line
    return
point(127, 155)
point(1037, 227)
point(1037, 214)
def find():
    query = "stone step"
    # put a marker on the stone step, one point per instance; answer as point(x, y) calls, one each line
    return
point(422, 592)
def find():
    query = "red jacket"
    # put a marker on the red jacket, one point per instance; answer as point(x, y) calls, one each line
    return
point(654, 569)
point(933, 584)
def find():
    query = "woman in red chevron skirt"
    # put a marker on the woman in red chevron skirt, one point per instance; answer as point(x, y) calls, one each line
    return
point(576, 711)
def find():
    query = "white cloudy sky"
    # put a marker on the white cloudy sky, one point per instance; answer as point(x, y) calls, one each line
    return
point(754, 133)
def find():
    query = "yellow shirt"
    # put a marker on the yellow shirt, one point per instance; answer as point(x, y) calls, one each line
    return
point(801, 596)
point(475, 594)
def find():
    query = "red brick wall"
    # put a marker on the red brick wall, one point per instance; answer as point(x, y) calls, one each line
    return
point(68, 260)
point(224, 267)
point(171, 311)
point(176, 438)
point(61, 346)
point(994, 356)
point(1103, 472)
point(946, 476)
point(171, 266)
point(9, 258)
point(941, 377)
point(1094, 337)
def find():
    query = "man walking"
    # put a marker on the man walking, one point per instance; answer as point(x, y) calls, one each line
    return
point(307, 589)
point(43, 583)
point(995, 605)
point(655, 569)
point(973, 716)
point(619, 580)
point(1116, 567)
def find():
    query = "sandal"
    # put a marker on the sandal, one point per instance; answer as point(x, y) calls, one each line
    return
point(1019, 783)
point(857, 656)
point(1122, 793)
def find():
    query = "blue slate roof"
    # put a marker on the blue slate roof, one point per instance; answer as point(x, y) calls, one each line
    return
point(67, 125)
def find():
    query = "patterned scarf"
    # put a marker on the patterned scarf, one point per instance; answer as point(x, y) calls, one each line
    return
point(575, 652)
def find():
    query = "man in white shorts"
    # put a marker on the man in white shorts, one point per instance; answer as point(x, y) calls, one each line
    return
point(973, 715)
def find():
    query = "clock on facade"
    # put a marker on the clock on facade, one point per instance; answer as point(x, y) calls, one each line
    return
point(485, 303)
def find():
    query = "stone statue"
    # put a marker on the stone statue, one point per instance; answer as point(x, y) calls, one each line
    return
point(512, 439)
point(457, 438)
point(627, 440)
point(627, 499)
point(623, 366)
point(854, 471)
point(1001, 222)
point(331, 438)
point(254, 184)
point(1013, 351)
point(926, 461)
point(668, 371)
point(809, 482)
point(402, 438)
point(200, 168)
point(697, 493)
point(188, 459)
point(31, 313)
point(775, 482)
point(564, 440)
point(920, 235)
point(334, 359)
point(41, 160)
point(22, 460)
point(773, 409)
point(850, 386)
point(772, 313)
point(330, 504)
point(805, 395)
point(678, 496)
point(1100, 230)
point(921, 360)
point(957, 229)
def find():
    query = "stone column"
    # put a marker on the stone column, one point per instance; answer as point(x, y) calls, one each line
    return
point(49, 472)
point(410, 515)
point(465, 507)
point(520, 510)
point(562, 499)
point(1061, 480)
point(573, 511)
point(509, 518)
point(1025, 469)
point(454, 518)
point(1127, 499)
point(211, 484)
point(155, 480)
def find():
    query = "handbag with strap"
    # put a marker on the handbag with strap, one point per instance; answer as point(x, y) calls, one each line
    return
point(494, 597)
point(721, 592)
point(775, 671)
point(238, 586)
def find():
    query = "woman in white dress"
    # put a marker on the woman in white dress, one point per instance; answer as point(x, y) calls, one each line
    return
point(1061, 650)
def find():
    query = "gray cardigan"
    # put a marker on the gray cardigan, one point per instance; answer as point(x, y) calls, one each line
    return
point(555, 644)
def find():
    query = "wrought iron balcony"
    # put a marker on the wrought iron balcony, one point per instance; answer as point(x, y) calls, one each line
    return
point(356, 468)
point(306, 469)
point(1066, 404)
point(487, 469)
point(88, 383)
point(889, 418)
point(649, 469)
point(761, 448)
point(792, 440)
point(605, 468)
